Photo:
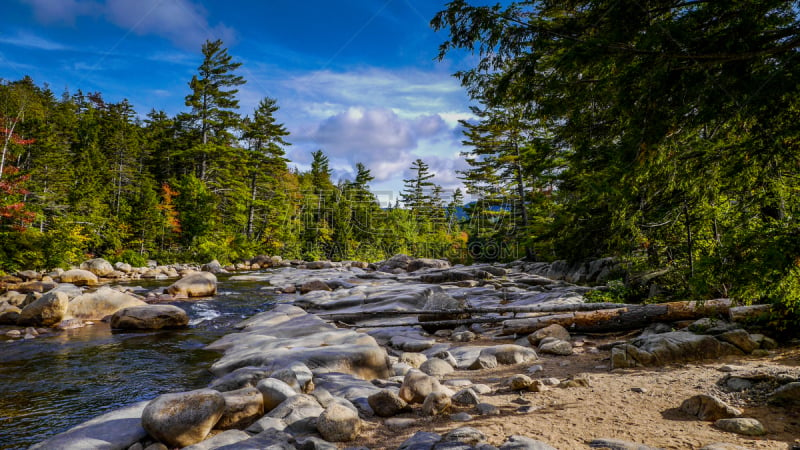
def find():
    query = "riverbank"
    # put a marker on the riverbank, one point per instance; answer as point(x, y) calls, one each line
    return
point(571, 398)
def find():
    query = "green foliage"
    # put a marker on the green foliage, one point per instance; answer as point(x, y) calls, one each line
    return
point(614, 291)
point(673, 126)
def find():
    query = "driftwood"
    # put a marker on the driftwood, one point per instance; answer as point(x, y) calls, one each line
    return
point(620, 319)
point(360, 315)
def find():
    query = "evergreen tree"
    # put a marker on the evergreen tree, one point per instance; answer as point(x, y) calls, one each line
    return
point(266, 163)
point(213, 100)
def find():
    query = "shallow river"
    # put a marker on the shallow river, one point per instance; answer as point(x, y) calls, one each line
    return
point(50, 384)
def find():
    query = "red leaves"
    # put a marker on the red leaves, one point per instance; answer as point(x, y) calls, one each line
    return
point(16, 139)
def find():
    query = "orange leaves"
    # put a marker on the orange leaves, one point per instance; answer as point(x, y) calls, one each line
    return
point(168, 207)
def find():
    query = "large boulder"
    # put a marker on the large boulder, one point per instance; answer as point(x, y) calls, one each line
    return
point(98, 266)
point(242, 408)
point(197, 284)
point(48, 310)
point(183, 419)
point(78, 277)
point(101, 303)
point(149, 317)
point(665, 348)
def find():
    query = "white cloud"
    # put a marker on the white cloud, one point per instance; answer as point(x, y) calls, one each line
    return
point(52, 11)
point(182, 22)
point(28, 40)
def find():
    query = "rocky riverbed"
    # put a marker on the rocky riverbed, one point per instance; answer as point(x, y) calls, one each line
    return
point(339, 365)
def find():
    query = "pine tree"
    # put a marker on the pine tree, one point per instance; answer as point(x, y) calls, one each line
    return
point(213, 100)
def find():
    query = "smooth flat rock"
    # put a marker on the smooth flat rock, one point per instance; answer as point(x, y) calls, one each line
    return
point(150, 317)
point(116, 430)
point(517, 442)
point(665, 348)
point(101, 303)
point(741, 425)
point(287, 335)
point(220, 440)
point(78, 277)
point(347, 386)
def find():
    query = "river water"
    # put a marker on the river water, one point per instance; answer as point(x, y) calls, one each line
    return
point(52, 383)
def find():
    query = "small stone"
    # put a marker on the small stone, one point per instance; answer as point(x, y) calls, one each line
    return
point(436, 367)
point(436, 403)
point(14, 334)
point(708, 407)
point(524, 443)
point(724, 446)
point(412, 359)
point(521, 401)
point(417, 385)
point(526, 409)
point(574, 383)
point(487, 409)
point(457, 383)
point(460, 417)
point(484, 361)
point(639, 390)
point(618, 444)
point(420, 440)
point(552, 381)
point(555, 330)
point(728, 368)
point(464, 336)
point(466, 397)
point(481, 389)
point(537, 386)
point(535, 368)
point(519, 382)
point(467, 435)
point(741, 425)
point(736, 384)
point(556, 347)
point(386, 403)
point(339, 423)
point(399, 423)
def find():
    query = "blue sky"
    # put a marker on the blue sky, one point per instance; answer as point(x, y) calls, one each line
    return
point(357, 79)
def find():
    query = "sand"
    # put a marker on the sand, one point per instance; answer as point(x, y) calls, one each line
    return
point(636, 405)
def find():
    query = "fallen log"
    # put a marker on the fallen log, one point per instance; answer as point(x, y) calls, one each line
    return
point(439, 323)
point(501, 310)
point(620, 319)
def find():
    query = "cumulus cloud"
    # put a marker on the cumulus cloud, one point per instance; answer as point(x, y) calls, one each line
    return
point(182, 22)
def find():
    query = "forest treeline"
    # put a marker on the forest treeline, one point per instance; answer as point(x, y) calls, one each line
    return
point(85, 177)
point(663, 133)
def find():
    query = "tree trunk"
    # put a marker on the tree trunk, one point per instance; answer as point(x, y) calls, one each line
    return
point(621, 319)
point(252, 209)
point(360, 315)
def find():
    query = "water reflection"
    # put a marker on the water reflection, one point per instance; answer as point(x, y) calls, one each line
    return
point(52, 383)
